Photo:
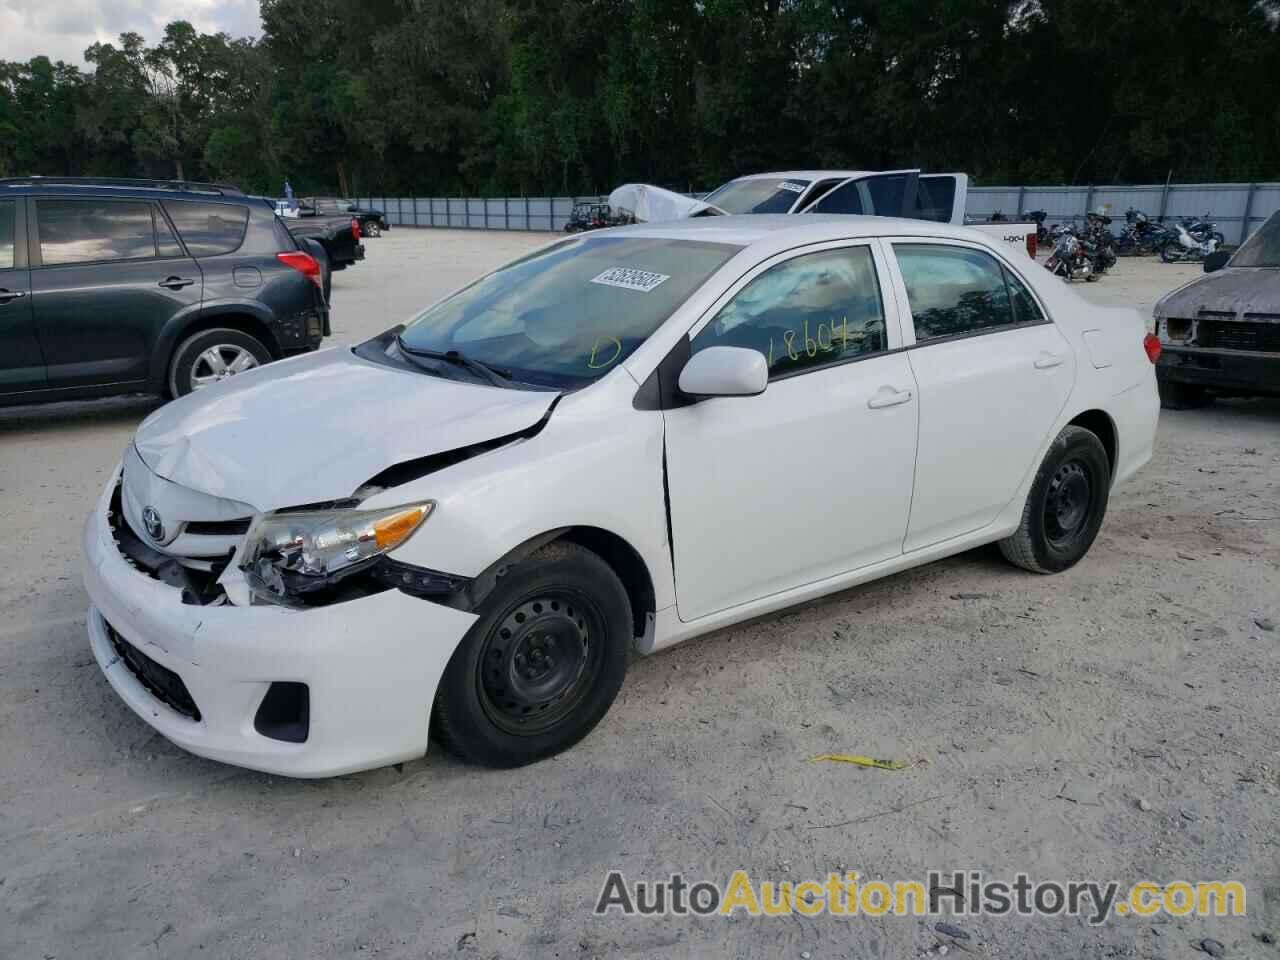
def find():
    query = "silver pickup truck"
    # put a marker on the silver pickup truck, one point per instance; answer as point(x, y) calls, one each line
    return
point(890, 193)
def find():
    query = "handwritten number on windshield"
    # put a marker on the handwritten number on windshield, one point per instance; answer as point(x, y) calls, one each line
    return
point(601, 358)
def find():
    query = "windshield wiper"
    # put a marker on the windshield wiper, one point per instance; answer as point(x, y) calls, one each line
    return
point(495, 375)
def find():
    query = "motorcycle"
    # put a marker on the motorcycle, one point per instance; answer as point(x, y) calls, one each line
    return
point(1202, 229)
point(1141, 235)
point(1185, 246)
point(1057, 231)
point(1069, 259)
point(1099, 244)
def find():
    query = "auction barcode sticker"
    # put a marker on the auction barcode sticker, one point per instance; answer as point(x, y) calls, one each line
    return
point(793, 187)
point(630, 279)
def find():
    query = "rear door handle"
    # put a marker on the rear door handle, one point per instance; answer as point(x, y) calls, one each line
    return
point(176, 283)
point(1047, 361)
point(888, 397)
point(7, 295)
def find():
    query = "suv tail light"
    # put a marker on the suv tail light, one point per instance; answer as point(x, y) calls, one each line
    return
point(304, 263)
point(355, 229)
point(1151, 344)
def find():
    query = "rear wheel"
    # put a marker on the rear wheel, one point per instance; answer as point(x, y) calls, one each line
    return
point(1182, 396)
point(372, 229)
point(543, 663)
point(1171, 252)
point(1065, 507)
point(212, 356)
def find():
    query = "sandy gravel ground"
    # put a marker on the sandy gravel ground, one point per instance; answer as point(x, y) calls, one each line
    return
point(1118, 721)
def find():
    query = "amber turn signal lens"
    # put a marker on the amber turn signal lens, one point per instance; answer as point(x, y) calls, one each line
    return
point(394, 530)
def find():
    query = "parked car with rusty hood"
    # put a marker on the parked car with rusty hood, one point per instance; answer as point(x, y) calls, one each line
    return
point(1221, 333)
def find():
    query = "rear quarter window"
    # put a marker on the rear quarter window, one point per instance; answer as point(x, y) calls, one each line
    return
point(208, 229)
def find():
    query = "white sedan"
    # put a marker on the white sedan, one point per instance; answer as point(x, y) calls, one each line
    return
point(622, 440)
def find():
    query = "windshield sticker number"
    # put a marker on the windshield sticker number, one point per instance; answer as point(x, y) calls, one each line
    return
point(793, 187)
point(642, 281)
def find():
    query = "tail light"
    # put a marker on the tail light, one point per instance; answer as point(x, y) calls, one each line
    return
point(1151, 344)
point(355, 229)
point(304, 263)
point(1032, 244)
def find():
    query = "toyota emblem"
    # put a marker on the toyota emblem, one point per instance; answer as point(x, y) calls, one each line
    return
point(155, 526)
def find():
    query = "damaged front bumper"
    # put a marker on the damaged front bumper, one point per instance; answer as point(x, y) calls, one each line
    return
point(338, 688)
point(1240, 371)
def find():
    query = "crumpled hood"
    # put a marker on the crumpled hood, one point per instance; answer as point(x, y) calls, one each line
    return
point(316, 427)
point(1235, 290)
point(650, 204)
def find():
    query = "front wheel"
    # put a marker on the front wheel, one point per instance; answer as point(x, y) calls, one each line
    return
point(1065, 507)
point(212, 356)
point(1172, 252)
point(542, 665)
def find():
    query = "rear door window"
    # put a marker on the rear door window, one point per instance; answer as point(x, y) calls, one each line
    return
point(935, 198)
point(8, 215)
point(89, 230)
point(953, 291)
point(209, 229)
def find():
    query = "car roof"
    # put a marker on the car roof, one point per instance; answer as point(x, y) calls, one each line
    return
point(140, 189)
point(787, 230)
point(808, 175)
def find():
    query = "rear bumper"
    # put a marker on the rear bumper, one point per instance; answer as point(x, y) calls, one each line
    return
point(371, 666)
point(1243, 370)
point(1136, 413)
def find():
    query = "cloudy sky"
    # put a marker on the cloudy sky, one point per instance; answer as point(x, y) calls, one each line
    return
point(61, 29)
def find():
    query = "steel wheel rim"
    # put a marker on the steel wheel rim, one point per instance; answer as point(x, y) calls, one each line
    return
point(1068, 503)
point(219, 362)
point(539, 662)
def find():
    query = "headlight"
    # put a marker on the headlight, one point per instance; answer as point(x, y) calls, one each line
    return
point(294, 552)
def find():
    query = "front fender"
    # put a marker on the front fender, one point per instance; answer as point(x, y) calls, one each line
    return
point(585, 468)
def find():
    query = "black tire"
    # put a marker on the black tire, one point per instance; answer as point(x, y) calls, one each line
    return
point(542, 665)
point(1182, 396)
point(187, 361)
point(372, 229)
point(1171, 252)
point(1065, 507)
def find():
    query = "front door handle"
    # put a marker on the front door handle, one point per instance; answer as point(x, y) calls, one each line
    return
point(7, 295)
point(888, 397)
point(1047, 361)
point(176, 283)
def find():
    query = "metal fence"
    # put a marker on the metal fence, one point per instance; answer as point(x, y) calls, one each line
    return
point(1238, 208)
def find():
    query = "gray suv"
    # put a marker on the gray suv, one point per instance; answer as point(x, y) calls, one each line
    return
point(129, 286)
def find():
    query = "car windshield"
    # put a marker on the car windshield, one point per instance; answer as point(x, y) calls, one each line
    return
point(759, 195)
point(566, 315)
point(1263, 248)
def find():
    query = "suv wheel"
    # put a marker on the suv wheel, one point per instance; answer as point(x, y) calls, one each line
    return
point(211, 356)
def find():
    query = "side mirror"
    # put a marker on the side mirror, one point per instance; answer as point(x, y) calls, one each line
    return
point(725, 372)
point(1216, 260)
